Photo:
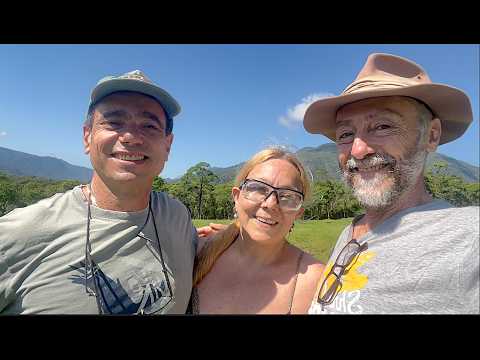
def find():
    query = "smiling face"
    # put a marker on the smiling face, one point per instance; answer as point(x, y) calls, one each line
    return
point(265, 221)
point(381, 150)
point(127, 141)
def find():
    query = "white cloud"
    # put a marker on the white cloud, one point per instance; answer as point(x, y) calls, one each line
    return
point(274, 141)
point(294, 115)
point(3, 133)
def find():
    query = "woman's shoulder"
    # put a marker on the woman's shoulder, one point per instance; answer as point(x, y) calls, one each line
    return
point(309, 268)
point(309, 274)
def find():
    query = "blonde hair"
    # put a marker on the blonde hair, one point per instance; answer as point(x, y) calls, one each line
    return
point(224, 238)
point(212, 250)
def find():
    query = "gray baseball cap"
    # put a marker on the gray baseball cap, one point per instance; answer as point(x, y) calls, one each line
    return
point(135, 81)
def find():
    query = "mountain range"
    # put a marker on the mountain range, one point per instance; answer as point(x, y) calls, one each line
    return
point(321, 160)
point(19, 163)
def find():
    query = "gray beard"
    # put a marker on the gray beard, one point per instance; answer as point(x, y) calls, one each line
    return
point(403, 175)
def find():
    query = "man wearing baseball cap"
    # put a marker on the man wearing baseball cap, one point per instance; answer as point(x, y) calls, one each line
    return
point(408, 253)
point(112, 246)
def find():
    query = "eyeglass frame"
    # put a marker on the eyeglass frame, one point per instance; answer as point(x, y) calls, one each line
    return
point(94, 267)
point(337, 284)
point(275, 191)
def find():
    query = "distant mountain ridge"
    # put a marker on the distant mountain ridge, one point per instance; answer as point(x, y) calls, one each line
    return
point(23, 164)
point(321, 160)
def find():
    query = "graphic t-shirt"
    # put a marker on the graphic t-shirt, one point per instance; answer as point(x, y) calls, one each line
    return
point(422, 260)
point(42, 258)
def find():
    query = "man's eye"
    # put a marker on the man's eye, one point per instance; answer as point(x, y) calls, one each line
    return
point(383, 127)
point(345, 135)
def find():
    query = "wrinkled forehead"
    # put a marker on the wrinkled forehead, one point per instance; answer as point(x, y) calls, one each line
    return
point(395, 106)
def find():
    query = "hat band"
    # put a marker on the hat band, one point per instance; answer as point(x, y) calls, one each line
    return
point(366, 85)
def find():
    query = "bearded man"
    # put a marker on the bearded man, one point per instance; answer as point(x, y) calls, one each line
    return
point(408, 253)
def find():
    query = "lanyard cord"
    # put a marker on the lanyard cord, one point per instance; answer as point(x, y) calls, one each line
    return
point(93, 270)
point(88, 258)
point(164, 268)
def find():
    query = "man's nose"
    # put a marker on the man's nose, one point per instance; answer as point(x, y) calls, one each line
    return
point(131, 135)
point(360, 148)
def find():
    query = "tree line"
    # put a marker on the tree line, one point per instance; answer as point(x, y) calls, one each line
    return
point(206, 197)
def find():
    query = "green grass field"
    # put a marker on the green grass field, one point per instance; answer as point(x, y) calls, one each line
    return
point(316, 237)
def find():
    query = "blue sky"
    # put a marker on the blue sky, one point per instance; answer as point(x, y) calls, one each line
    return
point(236, 99)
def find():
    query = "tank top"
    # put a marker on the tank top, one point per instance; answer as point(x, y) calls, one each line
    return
point(194, 304)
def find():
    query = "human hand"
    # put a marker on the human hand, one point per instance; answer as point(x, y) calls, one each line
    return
point(210, 229)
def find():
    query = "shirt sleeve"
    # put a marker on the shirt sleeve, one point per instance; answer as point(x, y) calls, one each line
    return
point(21, 232)
point(10, 246)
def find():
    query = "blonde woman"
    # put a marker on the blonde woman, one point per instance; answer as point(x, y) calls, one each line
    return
point(249, 267)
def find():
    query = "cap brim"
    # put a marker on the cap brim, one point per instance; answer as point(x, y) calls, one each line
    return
point(451, 105)
point(169, 104)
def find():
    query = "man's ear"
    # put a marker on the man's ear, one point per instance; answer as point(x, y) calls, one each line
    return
point(168, 141)
point(433, 135)
point(87, 138)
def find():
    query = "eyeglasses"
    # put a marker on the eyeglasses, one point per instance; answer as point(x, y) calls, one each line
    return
point(258, 192)
point(112, 300)
point(332, 284)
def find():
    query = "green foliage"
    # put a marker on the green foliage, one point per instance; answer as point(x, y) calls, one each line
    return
point(159, 184)
point(9, 197)
point(450, 187)
point(22, 191)
point(195, 189)
point(199, 189)
point(331, 200)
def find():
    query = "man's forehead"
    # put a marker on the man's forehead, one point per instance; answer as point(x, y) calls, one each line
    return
point(393, 106)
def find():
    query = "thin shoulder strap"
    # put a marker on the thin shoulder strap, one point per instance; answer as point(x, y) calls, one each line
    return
point(295, 282)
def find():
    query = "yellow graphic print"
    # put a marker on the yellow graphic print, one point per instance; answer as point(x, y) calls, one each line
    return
point(352, 279)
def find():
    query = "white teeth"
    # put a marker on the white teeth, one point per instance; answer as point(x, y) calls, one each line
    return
point(129, 157)
point(266, 221)
point(373, 168)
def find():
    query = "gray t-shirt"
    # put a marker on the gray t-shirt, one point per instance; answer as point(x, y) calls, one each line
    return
point(42, 258)
point(422, 260)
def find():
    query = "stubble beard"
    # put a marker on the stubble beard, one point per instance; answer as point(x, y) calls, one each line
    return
point(388, 184)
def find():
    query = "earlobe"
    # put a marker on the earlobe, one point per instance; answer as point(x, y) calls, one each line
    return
point(299, 213)
point(87, 138)
point(235, 192)
point(169, 145)
point(434, 134)
point(170, 142)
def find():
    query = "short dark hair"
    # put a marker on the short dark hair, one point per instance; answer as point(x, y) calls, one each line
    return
point(91, 109)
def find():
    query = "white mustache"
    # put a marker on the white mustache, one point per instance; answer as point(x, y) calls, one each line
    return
point(371, 161)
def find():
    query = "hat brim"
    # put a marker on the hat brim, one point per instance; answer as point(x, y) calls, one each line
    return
point(169, 104)
point(451, 105)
